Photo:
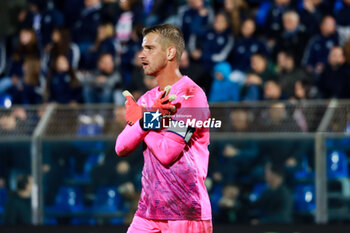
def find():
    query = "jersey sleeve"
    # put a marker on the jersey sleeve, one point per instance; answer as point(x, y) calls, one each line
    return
point(129, 139)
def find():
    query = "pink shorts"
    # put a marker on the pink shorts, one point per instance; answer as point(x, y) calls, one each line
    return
point(164, 226)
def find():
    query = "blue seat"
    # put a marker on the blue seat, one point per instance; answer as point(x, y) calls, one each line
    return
point(258, 190)
point(107, 199)
point(90, 162)
point(92, 129)
point(262, 12)
point(5, 101)
point(87, 130)
point(338, 5)
point(304, 198)
point(304, 172)
point(337, 165)
point(3, 197)
point(68, 199)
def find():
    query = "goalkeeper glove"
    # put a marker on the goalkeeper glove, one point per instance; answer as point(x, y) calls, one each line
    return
point(133, 111)
point(162, 102)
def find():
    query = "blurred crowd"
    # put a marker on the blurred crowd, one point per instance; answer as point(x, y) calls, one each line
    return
point(86, 51)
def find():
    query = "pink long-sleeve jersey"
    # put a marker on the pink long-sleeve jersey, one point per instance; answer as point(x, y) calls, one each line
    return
point(174, 172)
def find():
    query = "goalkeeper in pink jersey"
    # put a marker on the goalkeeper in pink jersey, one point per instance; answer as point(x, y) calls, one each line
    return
point(174, 197)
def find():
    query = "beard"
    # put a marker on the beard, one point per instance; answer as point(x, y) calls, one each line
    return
point(152, 70)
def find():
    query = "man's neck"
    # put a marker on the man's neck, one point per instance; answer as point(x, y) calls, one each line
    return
point(167, 77)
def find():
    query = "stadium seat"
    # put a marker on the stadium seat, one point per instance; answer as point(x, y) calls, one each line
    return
point(68, 199)
point(3, 197)
point(337, 165)
point(215, 197)
point(258, 189)
point(5, 101)
point(107, 200)
point(304, 172)
point(338, 5)
point(90, 162)
point(262, 12)
point(92, 129)
point(304, 198)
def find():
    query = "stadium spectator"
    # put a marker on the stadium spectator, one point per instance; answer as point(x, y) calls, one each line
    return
point(240, 121)
point(31, 16)
point(104, 43)
point(110, 11)
point(333, 80)
point(222, 88)
point(26, 88)
point(261, 66)
point(131, 14)
point(311, 15)
point(27, 47)
point(71, 10)
point(261, 71)
point(128, 51)
point(31, 90)
point(293, 36)
point(84, 30)
point(289, 72)
point(51, 18)
point(276, 203)
point(252, 90)
point(273, 24)
point(347, 52)
point(229, 205)
point(61, 44)
point(273, 90)
point(109, 173)
point(236, 158)
point(10, 12)
point(195, 18)
point(99, 86)
point(62, 84)
point(304, 89)
point(18, 205)
point(215, 45)
point(246, 46)
point(317, 50)
point(237, 11)
point(161, 11)
point(278, 119)
point(198, 73)
point(343, 22)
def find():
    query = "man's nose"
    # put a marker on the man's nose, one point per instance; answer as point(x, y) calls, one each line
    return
point(141, 54)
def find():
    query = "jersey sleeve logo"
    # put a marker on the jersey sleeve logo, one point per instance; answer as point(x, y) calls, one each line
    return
point(187, 96)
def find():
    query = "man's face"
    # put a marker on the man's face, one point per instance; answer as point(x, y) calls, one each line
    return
point(153, 56)
point(91, 3)
point(258, 63)
point(106, 64)
point(248, 28)
point(290, 22)
point(328, 26)
point(239, 119)
point(220, 23)
point(336, 56)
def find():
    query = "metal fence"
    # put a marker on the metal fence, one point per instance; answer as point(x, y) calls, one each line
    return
point(315, 120)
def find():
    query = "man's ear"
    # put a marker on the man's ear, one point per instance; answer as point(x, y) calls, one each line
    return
point(171, 53)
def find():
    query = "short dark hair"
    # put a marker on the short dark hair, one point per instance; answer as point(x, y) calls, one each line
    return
point(171, 33)
point(277, 169)
point(22, 182)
